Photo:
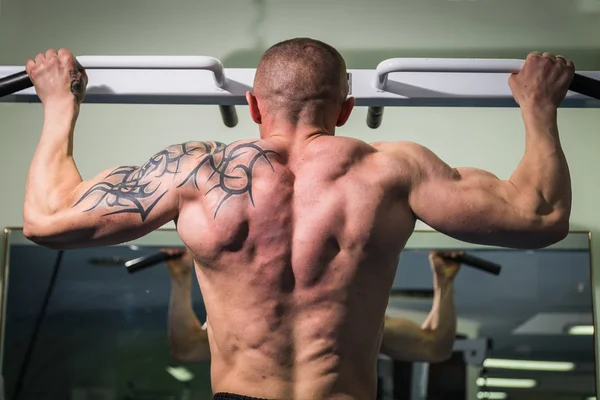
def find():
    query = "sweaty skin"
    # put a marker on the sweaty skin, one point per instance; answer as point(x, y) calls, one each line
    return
point(402, 338)
point(299, 231)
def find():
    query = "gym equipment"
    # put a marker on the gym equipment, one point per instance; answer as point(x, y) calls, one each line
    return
point(144, 262)
point(477, 263)
point(429, 82)
point(20, 81)
point(581, 84)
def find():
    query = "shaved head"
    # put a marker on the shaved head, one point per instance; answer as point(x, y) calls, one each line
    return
point(299, 78)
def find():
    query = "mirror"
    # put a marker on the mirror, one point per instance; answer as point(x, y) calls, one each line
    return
point(104, 333)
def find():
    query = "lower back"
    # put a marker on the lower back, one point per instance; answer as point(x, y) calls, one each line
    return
point(311, 345)
point(319, 341)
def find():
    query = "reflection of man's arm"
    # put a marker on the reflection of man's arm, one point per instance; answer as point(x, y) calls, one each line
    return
point(433, 341)
point(187, 337)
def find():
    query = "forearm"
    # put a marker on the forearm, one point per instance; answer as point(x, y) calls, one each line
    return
point(441, 321)
point(431, 342)
point(543, 176)
point(53, 174)
point(188, 340)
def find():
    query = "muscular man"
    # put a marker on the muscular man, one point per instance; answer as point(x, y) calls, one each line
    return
point(298, 230)
point(402, 338)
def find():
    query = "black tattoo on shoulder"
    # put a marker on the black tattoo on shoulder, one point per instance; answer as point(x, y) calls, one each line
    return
point(138, 190)
point(232, 178)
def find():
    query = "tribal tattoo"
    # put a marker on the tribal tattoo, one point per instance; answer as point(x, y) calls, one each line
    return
point(138, 190)
point(233, 179)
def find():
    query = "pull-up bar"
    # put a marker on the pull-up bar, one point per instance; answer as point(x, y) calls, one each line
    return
point(20, 81)
point(395, 82)
point(581, 84)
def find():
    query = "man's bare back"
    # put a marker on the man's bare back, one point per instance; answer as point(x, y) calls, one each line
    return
point(297, 276)
point(299, 232)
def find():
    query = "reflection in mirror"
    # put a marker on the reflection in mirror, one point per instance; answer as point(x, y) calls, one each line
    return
point(526, 333)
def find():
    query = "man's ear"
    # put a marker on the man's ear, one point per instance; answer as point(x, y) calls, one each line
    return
point(346, 110)
point(253, 105)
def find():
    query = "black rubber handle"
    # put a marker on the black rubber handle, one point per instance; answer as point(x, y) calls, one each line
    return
point(477, 263)
point(374, 117)
point(229, 115)
point(585, 86)
point(14, 83)
point(148, 261)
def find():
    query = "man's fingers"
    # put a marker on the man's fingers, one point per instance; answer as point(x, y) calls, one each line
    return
point(51, 53)
point(534, 54)
point(29, 66)
point(40, 58)
point(444, 254)
point(64, 53)
point(549, 55)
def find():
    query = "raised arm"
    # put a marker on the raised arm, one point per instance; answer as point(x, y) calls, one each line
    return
point(63, 211)
point(188, 338)
point(433, 341)
point(532, 208)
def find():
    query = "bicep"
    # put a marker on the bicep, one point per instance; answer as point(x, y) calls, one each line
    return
point(404, 340)
point(113, 208)
point(469, 204)
point(125, 203)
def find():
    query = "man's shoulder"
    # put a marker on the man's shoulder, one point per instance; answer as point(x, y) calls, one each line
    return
point(398, 148)
point(214, 150)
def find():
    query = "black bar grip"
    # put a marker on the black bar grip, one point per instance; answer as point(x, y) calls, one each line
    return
point(143, 262)
point(477, 263)
point(14, 83)
point(585, 86)
point(374, 117)
point(229, 115)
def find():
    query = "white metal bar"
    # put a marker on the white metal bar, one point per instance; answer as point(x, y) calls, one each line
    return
point(192, 86)
point(449, 65)
point(156, 62)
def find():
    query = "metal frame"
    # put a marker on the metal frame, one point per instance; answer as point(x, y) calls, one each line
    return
point(186, 80)
point(475, 351)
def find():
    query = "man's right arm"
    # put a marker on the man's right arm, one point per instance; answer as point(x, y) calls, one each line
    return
point(188, 338)
point(532, 208)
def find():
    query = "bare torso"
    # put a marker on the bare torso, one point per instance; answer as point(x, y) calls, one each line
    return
point(299, 247)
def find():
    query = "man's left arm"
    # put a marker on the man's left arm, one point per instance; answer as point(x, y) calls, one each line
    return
point(63, 211)
point(434, 339)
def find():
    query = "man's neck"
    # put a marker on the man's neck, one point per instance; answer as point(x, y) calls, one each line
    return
point(294, 133)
